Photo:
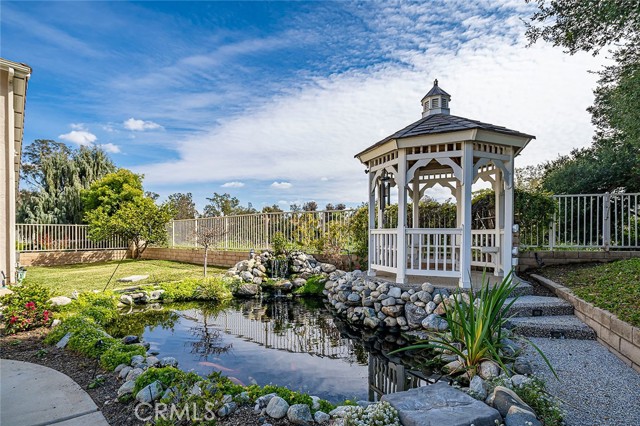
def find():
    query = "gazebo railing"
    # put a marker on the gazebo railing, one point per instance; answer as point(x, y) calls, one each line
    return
point(485, 248)
point(384, 250)
point(433, 251)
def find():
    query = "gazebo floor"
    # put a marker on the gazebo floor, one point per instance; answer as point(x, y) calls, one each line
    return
point(416, 280)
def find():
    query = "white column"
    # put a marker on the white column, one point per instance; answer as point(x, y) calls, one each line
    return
point(401, 252)
point(497, 220)
point(372, 222)
point(7, 170)
point(507, 258)
point(458, 196)
point(381, 201)
point(465, 209)
point(416, 200)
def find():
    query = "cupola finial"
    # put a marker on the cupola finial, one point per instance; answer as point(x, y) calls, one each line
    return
point(436, 101)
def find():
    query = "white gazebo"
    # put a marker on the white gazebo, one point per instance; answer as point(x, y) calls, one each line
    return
point(453, 152)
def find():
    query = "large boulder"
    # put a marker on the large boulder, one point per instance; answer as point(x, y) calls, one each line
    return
point(414, 314)
point(440, 404)
point(504, 398)
point(150, 392)
point(300, 414)
point(277, 407)
point(59, 301)
point(248, 290)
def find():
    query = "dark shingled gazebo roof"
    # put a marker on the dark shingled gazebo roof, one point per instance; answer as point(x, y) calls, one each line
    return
point(443, 123)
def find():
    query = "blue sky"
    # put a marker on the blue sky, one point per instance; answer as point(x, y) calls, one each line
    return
point(270, 101)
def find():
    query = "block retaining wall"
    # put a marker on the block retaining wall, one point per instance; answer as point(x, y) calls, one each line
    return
point(527, 260)
point(55, 258)
point(225, 259)
point(621, 338)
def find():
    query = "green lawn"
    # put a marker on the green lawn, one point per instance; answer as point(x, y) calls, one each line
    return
point(94, 276)
point(612, 286)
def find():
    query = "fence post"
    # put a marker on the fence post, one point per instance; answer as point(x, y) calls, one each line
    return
point(552, 235)
point(606, 221)
point(173, 233)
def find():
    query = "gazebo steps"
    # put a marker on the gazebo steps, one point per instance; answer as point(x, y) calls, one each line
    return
point(537, 306)
point(559, 327)
point(522, 289)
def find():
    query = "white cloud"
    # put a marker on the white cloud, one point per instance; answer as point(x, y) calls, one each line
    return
point(110, 148)
point(234, 184)
point(79, 137)
point(78, 126)
point(308, 133)
point(281, 185)
point(140, 125)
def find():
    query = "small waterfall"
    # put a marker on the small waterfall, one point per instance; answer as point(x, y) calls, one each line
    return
point(279, 268)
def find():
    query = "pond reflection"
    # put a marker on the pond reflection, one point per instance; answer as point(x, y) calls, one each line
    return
point(293, 343)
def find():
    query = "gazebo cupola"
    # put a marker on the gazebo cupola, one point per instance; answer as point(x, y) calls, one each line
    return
point(436, 101)
point(453, 153)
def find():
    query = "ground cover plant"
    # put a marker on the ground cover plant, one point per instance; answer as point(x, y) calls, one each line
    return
point(87, 277)
point(613, 286)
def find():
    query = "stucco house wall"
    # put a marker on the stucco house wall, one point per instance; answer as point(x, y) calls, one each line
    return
point(13, 89)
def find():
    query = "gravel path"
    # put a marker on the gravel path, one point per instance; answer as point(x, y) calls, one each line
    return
point(595, 386)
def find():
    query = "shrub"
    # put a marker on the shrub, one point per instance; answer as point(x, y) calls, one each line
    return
point(26, 308)
point(120, 354)
point(279, 244)
point(168, 376)
point(313, 287)
point(534, 393)
point(210, 288)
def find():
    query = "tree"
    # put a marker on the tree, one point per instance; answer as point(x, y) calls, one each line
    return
point(116, 206)
point(183, 206)
point(340, 206)
point(612, 163)
point(57, 176)
point(209, 235)
point(310, 206)
point(271, 209)
point(113, 191)
point(584, 25)
point(35, 154)
point(225, 205)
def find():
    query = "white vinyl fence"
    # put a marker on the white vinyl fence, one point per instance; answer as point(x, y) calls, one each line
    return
point(257, 231)
point(51, 237)
point(603, 221)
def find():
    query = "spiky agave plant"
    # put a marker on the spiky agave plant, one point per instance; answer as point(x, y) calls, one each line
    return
point(476, 327)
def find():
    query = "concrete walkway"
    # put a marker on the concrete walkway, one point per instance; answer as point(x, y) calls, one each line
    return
point(33, 395)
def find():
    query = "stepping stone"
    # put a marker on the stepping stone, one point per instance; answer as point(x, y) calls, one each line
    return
point(561, 326)
point(536, 306)
point(133, 278)
point(440, 404)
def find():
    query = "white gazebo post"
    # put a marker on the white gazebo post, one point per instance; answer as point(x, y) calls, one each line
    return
point(401, 248)
point(371, 221)
point(507, 241)
point(498, 190)
point(451, 151)
point(465, 210)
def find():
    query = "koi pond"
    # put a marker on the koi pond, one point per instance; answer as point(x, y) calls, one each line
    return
point(294, 343)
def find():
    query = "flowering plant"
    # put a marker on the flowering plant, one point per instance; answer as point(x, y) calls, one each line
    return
point(26, 308)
